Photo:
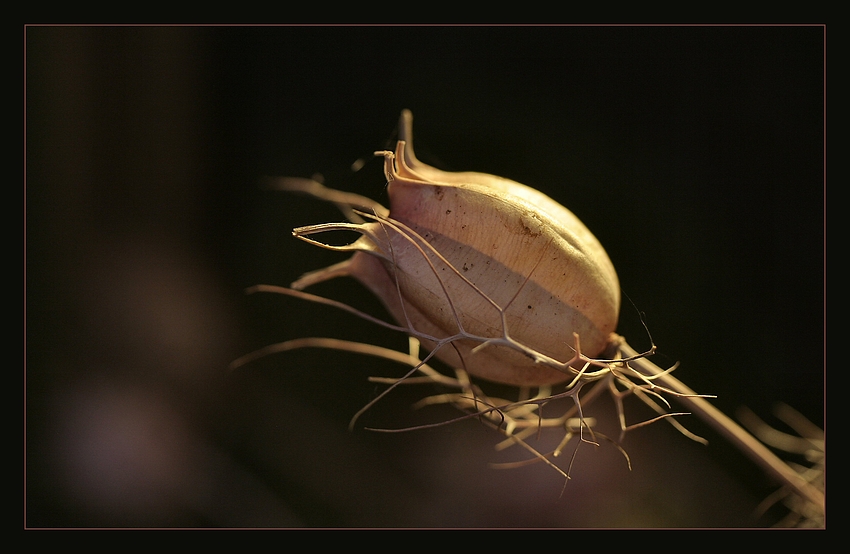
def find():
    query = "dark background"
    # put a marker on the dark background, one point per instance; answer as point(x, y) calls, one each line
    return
point(695, 154)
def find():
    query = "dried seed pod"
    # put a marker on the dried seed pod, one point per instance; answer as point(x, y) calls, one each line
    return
point(500, 280)
point(497, 277)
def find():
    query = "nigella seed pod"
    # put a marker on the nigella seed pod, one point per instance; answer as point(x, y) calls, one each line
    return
point(494, 276)
point(501, 282)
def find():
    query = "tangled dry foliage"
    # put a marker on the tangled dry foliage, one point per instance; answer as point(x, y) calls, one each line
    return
point(516, 419)
point(627, 374)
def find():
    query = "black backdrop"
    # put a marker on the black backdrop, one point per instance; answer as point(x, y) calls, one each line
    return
point(695, 154)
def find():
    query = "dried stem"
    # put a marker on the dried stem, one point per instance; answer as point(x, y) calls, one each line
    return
point(733, 432)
